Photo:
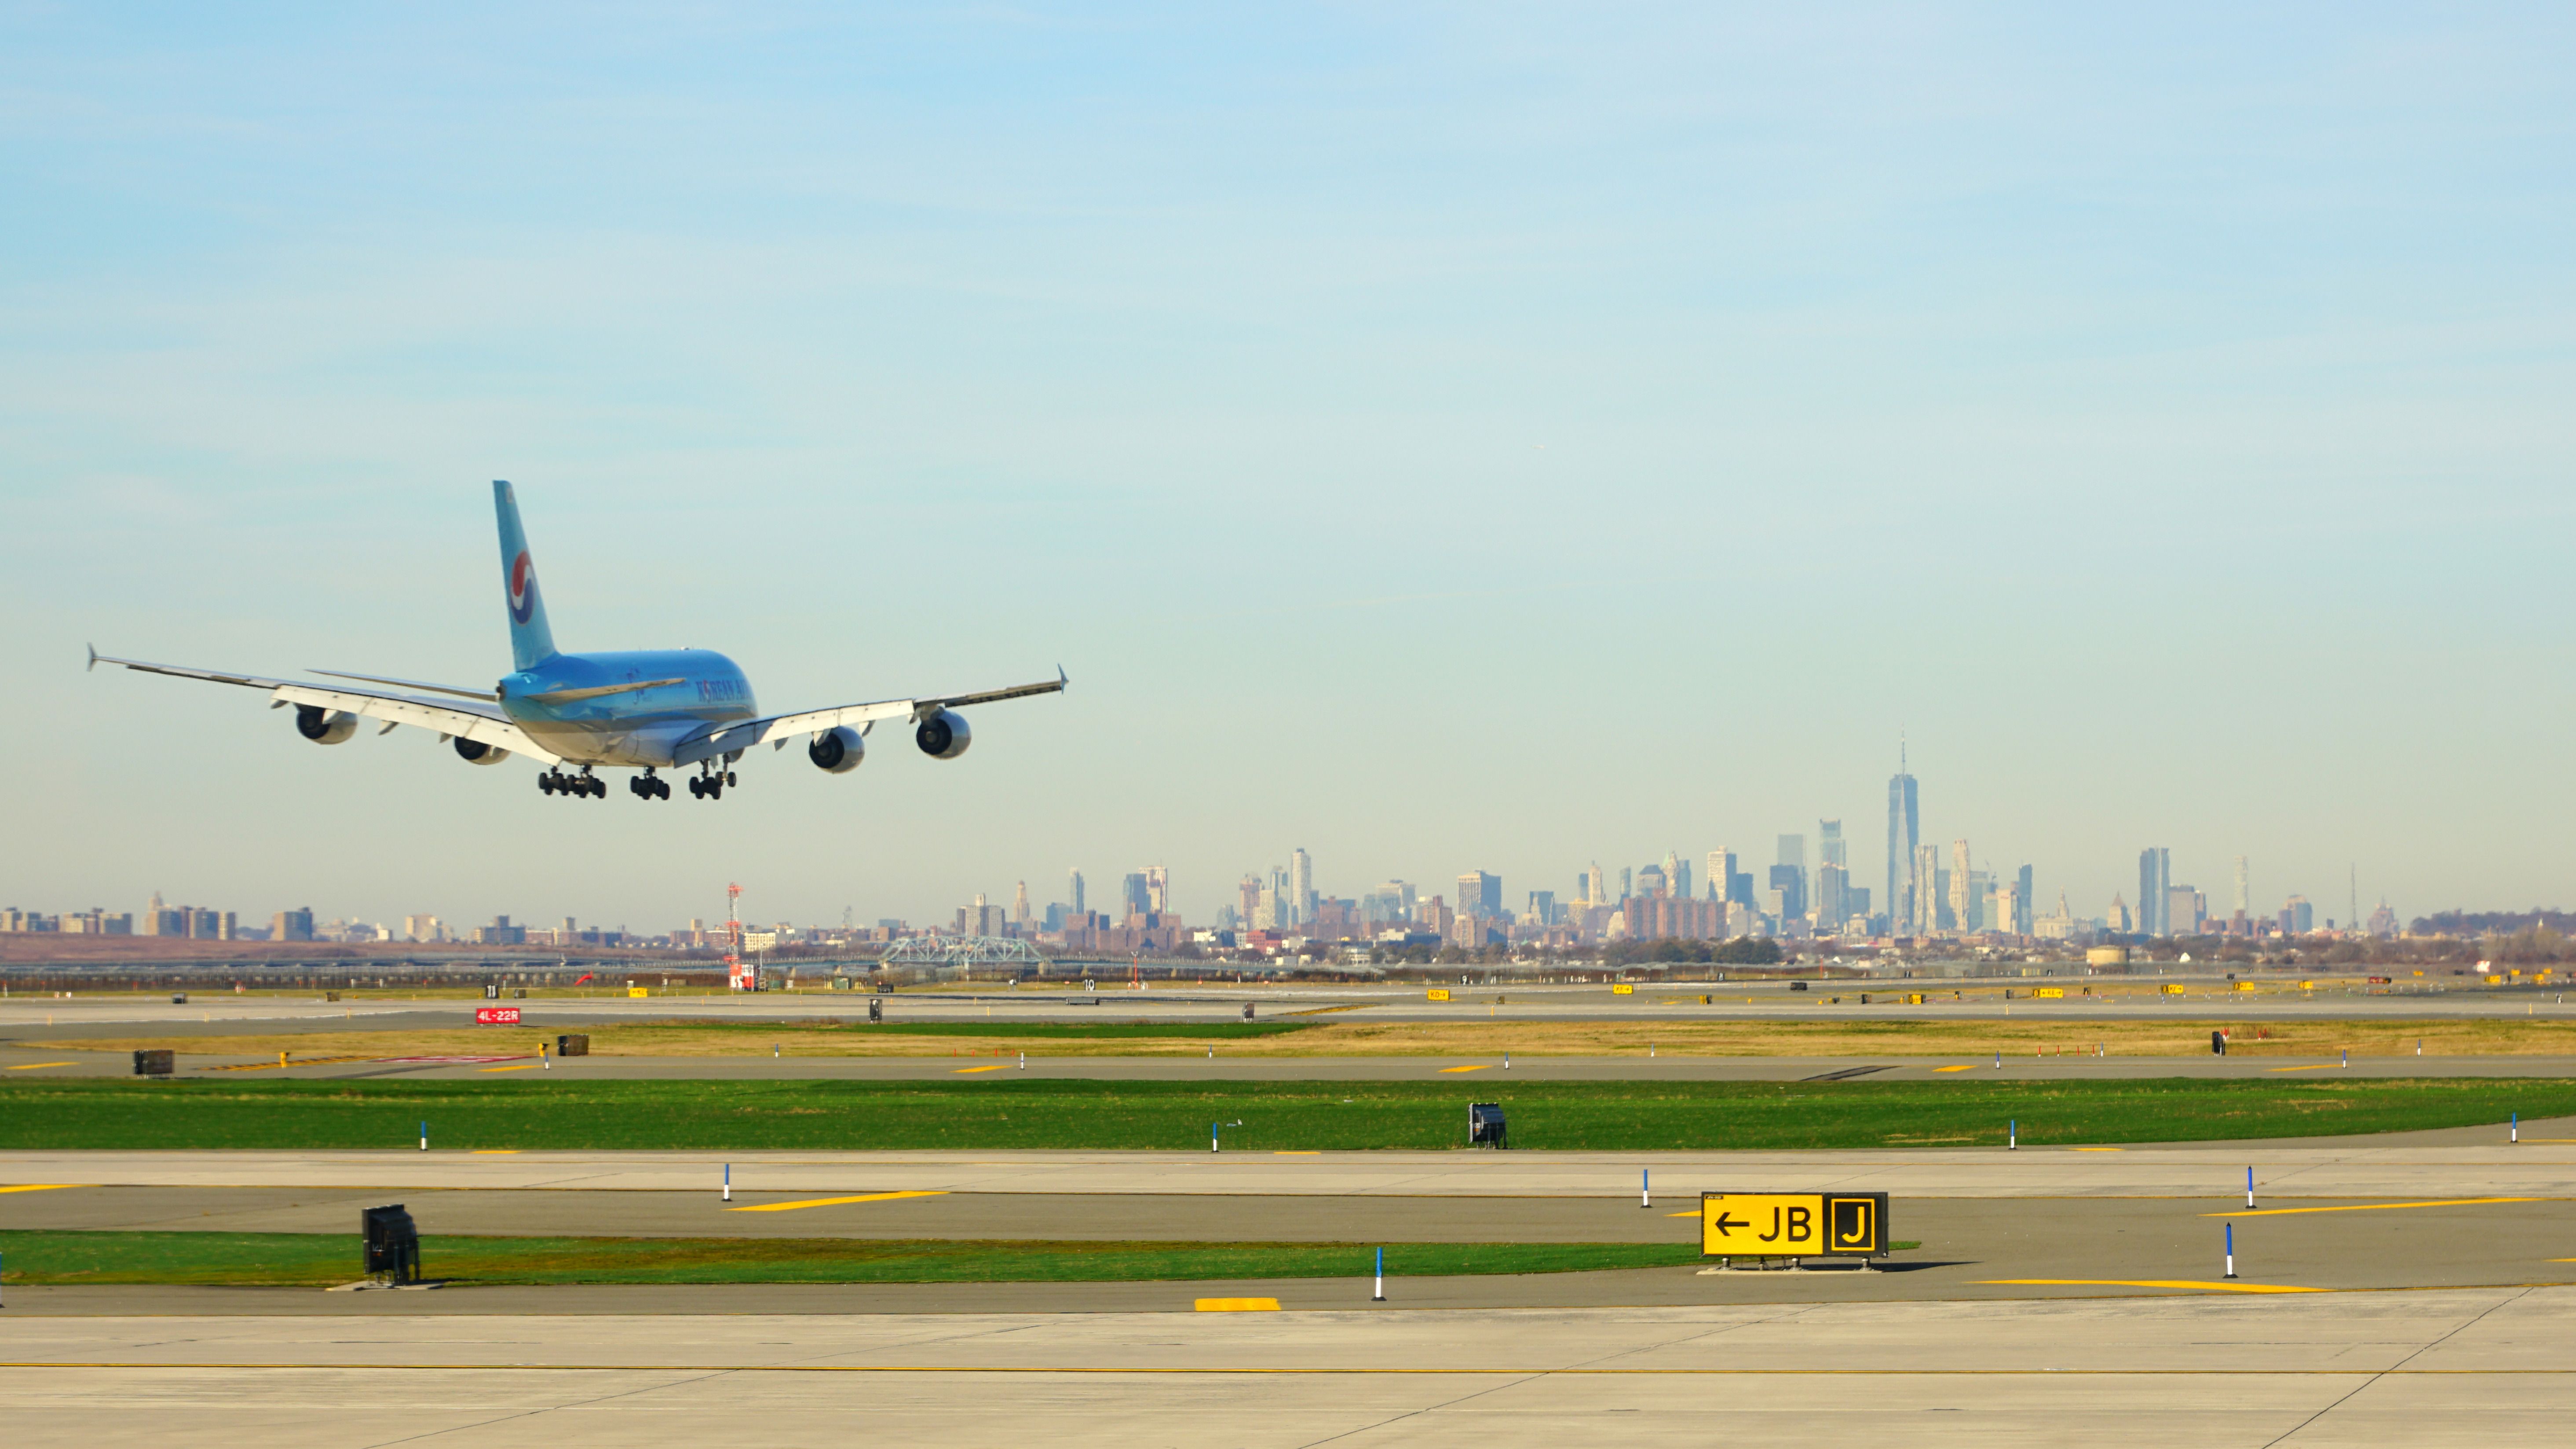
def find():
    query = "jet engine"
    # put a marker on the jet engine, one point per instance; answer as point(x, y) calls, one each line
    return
point(324, 727)
point(837, 750)
point(943, 736)
point(475, 752)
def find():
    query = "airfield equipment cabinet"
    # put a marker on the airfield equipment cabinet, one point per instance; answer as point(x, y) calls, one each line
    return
point(1485, 1125)
point(155, 1062)
point(576, 1044)
point(1247, 1011)
point(876, 1008)
point(393, 1244)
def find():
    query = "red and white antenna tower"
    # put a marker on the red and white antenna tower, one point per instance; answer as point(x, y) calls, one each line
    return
point(737, 975)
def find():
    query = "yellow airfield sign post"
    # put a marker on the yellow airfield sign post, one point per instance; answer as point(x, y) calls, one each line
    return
point(1792, 1225)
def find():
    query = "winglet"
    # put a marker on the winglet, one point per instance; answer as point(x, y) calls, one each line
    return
point(1060, 680)
point(93, 659)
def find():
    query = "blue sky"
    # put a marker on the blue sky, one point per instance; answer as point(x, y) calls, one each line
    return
point(1441, 437)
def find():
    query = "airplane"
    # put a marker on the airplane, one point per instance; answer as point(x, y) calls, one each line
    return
point(647, 711)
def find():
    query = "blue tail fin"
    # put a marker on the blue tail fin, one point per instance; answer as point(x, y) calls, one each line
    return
point(532, 641)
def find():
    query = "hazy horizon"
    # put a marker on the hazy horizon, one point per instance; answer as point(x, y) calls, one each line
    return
point(1442, 439)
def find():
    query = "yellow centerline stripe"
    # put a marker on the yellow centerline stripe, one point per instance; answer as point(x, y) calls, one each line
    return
point(1478, 1067)
point(2319, 1067)
point(995, 1067)
point(2369, 1207)
point(780, 1207)
point(1962, 1067)
point(521, 1067)
point(43, 1186)
point(39, 1066)
point(2146, 1283)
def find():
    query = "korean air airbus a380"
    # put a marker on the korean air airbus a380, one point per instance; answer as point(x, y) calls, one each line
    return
point(648, 712)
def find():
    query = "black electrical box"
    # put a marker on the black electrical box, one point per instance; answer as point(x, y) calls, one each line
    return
point(1247, 1011)
point(577, 1044)
point(1485, 1126)
point(393, 1244)
point(158, 1062)
point(876, 1009)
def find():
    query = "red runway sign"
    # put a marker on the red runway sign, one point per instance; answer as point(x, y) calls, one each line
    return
point(496, 1016)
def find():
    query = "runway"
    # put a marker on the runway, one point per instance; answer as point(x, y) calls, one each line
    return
point(26, 1062)
point(2309, 1369)
point(1978, 1000)
point(2542, 1165)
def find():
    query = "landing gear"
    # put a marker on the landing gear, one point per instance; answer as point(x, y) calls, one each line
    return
point(556, 782)
point(648, 786)
point(710, 784)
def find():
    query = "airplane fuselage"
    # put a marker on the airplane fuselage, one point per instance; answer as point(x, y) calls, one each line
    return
point(689, 690)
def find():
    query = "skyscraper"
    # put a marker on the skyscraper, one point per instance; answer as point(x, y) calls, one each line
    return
point(1158, 890)
point(1677, 876)
point(1721, 874)
point(2244, 898)
point(1922, 899)
point(1132, 899)
point(1829, 843)
point(1596, 886)
point(1833, 896)
point(1480, 894)
point(1019, 905)
point(2155, 875)
point(1077, 891)
point(2021, 922)
point(1902, 822)
point(1962, 913)
point(1301, 884)
point(1247, 891)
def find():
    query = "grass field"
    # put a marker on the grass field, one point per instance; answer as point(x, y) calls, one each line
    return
point(1013, 1112)
point(1349, 1037)
point(328, 1258)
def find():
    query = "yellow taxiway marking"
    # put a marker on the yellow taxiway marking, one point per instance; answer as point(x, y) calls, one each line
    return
point(2369, 1207)
point(1316, 1153)
point(1694, 1212)
point(2148, 1283)
point(1237, 1305)
point(1962, 1067)
point(2319, 1067)
point(40, 1186)
point(780, 1207)
point(2101, 1149)
point(995, 1067)
point(520, 1067)
point(1479, 1067)
point(496, 1152)
point(35, 1066)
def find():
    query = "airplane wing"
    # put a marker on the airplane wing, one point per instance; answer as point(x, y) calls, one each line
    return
point(483, 723)
point(779, 729)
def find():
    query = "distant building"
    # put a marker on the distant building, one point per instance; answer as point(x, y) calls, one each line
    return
point(2155, 878)
point(1076, 903)
point(1833, 893)
point(1480, 894)
point(1963, 908)
point(2021, 923)
point(294, 925)
point(1158, 889)
point(2383, 923)
point(1301, 884)
point(2298, 918)
point(1789, 886)
point(2186, 910)
point(2244, 896)
point(2119, 922)
point(1923, 892)
point(1133, 898)
point(1542, 908)
point(1902, 826)
point(1793, 855)
point(1651, 882)
point(1677, 875)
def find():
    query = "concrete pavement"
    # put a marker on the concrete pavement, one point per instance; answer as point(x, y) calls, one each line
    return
point(2219, 1370)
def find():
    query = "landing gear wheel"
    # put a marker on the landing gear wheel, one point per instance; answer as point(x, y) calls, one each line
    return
point(729, 779)
point(698, 789)
point(546, 782)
